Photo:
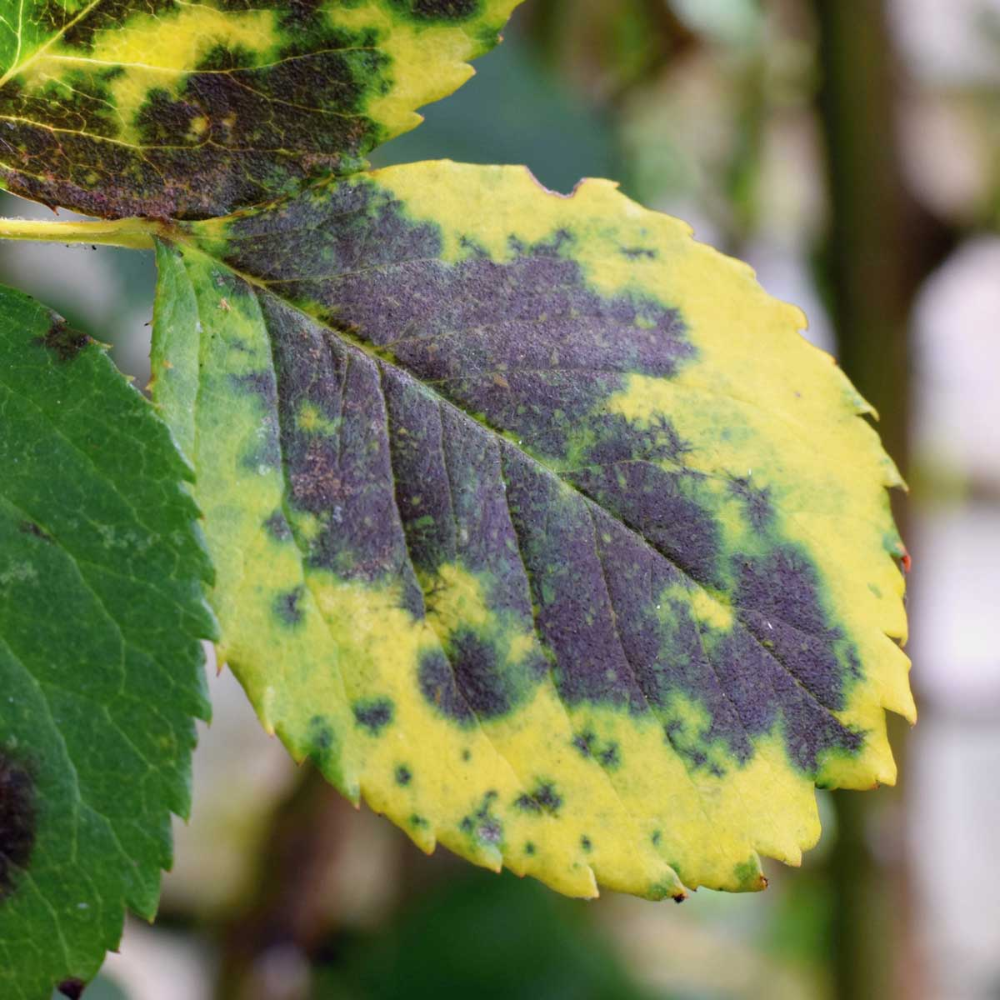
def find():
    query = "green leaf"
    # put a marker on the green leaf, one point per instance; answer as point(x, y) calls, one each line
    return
point(536, 523)
point(101, 672)
point(163, 108)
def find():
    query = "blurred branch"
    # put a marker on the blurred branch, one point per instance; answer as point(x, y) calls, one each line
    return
point(266, 947)
point(608, 48)
point(880, 246)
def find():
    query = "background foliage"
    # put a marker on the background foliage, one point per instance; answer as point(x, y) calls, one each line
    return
point(855, 161)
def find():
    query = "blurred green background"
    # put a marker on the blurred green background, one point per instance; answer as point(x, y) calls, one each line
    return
point(850, 150)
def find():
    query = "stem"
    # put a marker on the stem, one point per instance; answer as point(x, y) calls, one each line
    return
point(133, 234)
point(880, 245)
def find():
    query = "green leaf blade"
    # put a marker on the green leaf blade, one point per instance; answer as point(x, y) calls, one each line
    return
point(101, 604)
point(565, 492)
point(178, 110)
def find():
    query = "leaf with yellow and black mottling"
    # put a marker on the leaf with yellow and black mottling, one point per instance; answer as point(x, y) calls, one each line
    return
point(101, 670)
point(536, 523)
point(188, 110)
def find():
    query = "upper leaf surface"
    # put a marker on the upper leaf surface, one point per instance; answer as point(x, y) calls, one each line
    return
point(101, 604)
point(177, 109)
point(536, 522)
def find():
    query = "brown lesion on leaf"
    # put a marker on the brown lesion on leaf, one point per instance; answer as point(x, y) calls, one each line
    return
point(63, 341)
point(30, 528)
point(72, 988)
point(18, 820)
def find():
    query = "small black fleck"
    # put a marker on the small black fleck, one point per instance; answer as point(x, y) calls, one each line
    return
point(585, 843)
point(72, 988)
point(657, 836)
point(529, 848)
point(403, 775)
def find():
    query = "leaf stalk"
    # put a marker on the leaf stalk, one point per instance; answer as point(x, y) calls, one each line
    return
point(133, 234)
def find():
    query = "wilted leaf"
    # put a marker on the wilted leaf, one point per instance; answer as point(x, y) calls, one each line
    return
point(100, 668)
point(165, 108)
point(536, 523)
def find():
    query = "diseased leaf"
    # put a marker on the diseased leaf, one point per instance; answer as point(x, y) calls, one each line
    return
point(536, 523)
point(101, 677)
point(166, 108)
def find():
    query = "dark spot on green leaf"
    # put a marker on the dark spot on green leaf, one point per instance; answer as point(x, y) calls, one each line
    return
point(30, 528)
point(403, 775)
point(529, 848)
point(585, 843)
point(63, 341)
point(17, 821)
point(72, 988)
point(374, 714)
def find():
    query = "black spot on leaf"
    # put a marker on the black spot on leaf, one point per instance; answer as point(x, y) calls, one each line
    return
point(286, 606)
point(63, 341)
point(481, 676)
point(72, 988)
point(437, 684)
point(17, 821)
point(403, 775)
point(374, 714)
point(482, 823)
point(543, 797)
point(30, 528)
